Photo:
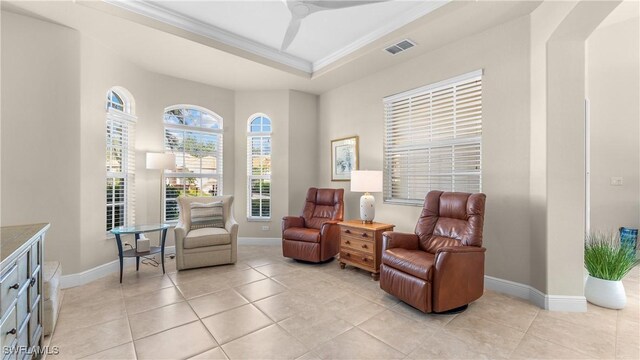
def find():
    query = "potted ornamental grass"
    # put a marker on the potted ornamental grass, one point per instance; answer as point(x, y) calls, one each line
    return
point(608, 261)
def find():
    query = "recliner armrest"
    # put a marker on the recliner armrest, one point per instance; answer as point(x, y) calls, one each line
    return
point(292, 221)
point(461, 249)
point(329, 226)
point(393, 239)
point(453, 254)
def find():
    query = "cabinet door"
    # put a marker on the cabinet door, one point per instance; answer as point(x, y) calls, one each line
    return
point(23, 268)
point(8, 329)
point(8, 289)
point(34, 324)
point(23, 341)
point(34, 256)
point(22, 307)
point(34, 287)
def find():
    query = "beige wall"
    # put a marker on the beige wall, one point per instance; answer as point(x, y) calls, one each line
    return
point(503, 53)
point(274, 104)
point(294, 168)
point(69, 76)
point(41, 131)
point(102, 69)
point(613, 90)
point(566, 94)
point(544, 21)
point(303, 145)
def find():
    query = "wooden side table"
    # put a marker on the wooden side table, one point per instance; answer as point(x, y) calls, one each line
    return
point(361, 245)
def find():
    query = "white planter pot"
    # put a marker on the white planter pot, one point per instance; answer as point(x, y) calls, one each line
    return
point(605, 293)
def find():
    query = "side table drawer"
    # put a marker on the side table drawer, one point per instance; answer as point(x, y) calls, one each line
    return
point(355, 233)
point(363, 245)
point(362, 260)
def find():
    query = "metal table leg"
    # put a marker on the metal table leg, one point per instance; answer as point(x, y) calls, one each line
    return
point(137, 257)
point(120, 254)
point(164, 237)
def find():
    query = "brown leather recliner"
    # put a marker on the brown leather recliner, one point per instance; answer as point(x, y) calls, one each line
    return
point(441, 266)
point(315, 236)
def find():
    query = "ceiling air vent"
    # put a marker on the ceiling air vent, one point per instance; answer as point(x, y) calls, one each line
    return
point(400, 47)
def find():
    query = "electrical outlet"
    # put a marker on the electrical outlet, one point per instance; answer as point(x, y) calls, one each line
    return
point(616, 181)
point(265, 227)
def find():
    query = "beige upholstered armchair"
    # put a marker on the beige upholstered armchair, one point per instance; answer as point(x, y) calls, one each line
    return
point(205, 246)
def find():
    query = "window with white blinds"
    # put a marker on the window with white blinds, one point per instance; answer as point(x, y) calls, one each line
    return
point(259, 168)
point(194, 135)
point(433, 140)
point(120, 162)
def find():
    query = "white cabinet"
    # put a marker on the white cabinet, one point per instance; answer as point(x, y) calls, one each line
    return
point(21, 249)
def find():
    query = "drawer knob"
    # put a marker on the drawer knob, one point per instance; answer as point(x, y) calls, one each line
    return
point(347, 242)
point(15, 286)
point(33, 281)
point(12, 331)
point(347, 231)
point(364, 234)
point(348, 255)
point(364, 259)
point(364, 246)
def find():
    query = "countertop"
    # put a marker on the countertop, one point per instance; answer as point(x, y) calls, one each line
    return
point(13, 237)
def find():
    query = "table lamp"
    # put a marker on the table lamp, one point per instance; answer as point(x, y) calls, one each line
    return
point(366, 181)
point(161, 161)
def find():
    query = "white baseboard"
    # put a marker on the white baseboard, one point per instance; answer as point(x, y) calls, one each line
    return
point(535, 296)
point(526, 292)
point(566, 303)
point(87, 276)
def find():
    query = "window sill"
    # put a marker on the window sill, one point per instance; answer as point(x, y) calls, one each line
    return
point(252, 219)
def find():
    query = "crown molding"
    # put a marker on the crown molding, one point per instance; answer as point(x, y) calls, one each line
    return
point(158, 13)
point(148, 9)
point(397, 22)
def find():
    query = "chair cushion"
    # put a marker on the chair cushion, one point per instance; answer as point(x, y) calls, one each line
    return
point(302, 234)
point(208, 236)
point(414, 262)
point(207, 215)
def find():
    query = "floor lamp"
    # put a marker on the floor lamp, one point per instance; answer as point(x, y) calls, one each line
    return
point(162, 162)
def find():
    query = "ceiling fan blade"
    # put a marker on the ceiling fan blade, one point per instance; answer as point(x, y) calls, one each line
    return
point(292, 31)
point(334, 4)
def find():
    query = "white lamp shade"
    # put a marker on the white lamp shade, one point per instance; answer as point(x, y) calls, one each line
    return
point(366, 181)
point(161, 161)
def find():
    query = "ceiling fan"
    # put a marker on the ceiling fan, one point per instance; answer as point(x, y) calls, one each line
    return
point(300, 9)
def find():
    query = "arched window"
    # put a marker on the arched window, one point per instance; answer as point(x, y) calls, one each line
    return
point(194, 135)
point(120, 159)
point(259, 168)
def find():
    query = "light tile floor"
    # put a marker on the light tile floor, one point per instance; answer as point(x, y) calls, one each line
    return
point(268, 307)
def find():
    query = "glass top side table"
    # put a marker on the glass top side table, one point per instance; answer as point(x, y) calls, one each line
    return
point(136, 230)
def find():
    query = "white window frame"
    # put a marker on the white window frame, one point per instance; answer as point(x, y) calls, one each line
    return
point(410, 130)
point(196, 129)
point(250, 175)
point(127, 120)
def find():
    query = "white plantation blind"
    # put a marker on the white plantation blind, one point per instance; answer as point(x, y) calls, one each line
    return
point(194, 135)
point(259, 168)
point(433, 140)
point(120, 166)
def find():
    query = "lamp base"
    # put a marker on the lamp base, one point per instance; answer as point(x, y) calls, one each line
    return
point(367, 208)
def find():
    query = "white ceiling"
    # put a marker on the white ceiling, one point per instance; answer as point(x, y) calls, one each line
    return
point(155, 46)
point(259, 26)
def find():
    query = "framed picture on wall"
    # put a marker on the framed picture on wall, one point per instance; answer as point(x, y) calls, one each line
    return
point(344, 158)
